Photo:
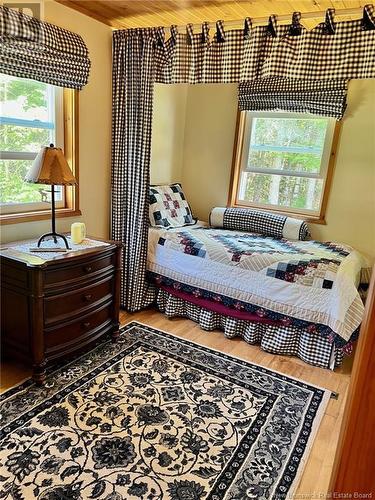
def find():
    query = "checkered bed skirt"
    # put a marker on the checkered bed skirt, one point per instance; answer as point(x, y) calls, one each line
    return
point(284, 340)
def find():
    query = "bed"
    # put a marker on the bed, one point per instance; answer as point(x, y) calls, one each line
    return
point(296, 298)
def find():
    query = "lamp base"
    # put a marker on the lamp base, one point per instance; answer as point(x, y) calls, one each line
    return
point(54, 236)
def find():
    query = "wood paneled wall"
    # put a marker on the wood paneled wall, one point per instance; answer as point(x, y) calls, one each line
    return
point(143, 13)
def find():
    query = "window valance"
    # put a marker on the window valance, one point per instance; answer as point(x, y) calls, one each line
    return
point(332, 50)
point(320, 97)
point(41, 51)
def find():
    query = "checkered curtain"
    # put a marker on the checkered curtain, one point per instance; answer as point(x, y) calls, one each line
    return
point(132, 95)
point(332, 50)
point(320, 97)
point(41, 51)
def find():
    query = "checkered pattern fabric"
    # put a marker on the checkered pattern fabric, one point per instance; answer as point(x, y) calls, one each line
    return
point(169, 207)
point(331, 51)
point(320, 97)
point(284, 340)
point(41, 51)
point(254, 221)
point(132, 93)
point(257, 221)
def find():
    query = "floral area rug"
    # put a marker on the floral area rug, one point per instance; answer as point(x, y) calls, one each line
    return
point(157, 417)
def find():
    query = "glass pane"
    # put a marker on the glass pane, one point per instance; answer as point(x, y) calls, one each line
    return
point(13, 188)
point(290, 132)
point(24, 139)
point(295, 162)
point(24, 103)
point(279, 190)
point(25, 99)
point(294, 144)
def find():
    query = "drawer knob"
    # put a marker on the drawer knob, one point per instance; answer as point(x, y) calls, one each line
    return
point(87, 297)
point(86, 324)
point(87, 269)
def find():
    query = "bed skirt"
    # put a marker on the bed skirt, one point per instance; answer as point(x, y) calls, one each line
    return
point(276, 339)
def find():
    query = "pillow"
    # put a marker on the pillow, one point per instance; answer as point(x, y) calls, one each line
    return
point(169, 207)
point(257, 221)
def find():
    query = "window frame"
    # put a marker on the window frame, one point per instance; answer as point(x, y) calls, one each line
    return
point(57, 117)
point(240, 152)
point(70, 208)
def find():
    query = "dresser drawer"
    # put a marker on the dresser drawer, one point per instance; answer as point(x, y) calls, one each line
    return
point(80, 271)
point(76, 331)
point(60, 307)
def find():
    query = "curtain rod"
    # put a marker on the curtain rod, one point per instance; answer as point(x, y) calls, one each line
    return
point(283, 17)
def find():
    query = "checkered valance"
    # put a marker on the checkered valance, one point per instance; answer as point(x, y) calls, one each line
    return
point(41, 51)
point(320, 97)
point(331, 50)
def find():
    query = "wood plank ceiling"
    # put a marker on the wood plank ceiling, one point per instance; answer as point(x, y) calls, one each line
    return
point(143, 13)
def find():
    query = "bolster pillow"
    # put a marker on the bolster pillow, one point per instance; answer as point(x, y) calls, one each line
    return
point(258, 221)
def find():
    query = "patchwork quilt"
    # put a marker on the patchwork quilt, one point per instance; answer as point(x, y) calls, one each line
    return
point(309, 284)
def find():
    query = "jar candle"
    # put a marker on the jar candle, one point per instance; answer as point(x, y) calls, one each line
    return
point(77, 232)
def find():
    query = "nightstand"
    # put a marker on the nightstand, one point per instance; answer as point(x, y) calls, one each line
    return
point(57, 306)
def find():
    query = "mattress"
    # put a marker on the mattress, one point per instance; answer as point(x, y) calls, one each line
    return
point(308, 284)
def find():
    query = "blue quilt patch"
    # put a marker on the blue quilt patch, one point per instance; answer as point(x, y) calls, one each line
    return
point(240, 245)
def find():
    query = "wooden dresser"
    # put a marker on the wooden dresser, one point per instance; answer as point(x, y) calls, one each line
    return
point(52, 308)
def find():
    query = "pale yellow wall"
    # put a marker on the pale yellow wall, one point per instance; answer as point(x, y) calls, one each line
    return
point(350, 215)
point(211, 113)
point(209, 135)
point(168, 130)
point(94, 130)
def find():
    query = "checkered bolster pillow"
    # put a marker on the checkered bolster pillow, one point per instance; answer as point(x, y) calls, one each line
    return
point(169, 207)
point(257, 221)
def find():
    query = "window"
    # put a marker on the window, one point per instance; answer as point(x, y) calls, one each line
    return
point(282, 162)
point(33, 114)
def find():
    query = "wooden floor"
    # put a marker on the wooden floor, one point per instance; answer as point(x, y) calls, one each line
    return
point(316, 476)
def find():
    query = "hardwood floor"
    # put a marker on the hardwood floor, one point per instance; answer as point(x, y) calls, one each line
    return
point(316, 476)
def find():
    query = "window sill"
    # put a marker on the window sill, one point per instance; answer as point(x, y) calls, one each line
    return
point(308, 218)
point(36, 216)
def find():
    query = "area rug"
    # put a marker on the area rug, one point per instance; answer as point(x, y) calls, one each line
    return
point(154, 416)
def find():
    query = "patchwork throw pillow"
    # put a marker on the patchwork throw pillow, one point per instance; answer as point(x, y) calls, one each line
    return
point(169, 207)
point(258, 221)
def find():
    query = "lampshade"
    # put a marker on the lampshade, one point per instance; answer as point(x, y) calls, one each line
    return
point(50, 167)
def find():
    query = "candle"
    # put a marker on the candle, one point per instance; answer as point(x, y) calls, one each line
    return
point(78, 232)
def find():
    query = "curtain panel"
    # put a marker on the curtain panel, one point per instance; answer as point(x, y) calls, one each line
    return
point(132, 94)
point(331, 50)
point(319, 97)
point(41, 51)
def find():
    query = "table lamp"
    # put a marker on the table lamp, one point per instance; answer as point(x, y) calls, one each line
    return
point(50, 167)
